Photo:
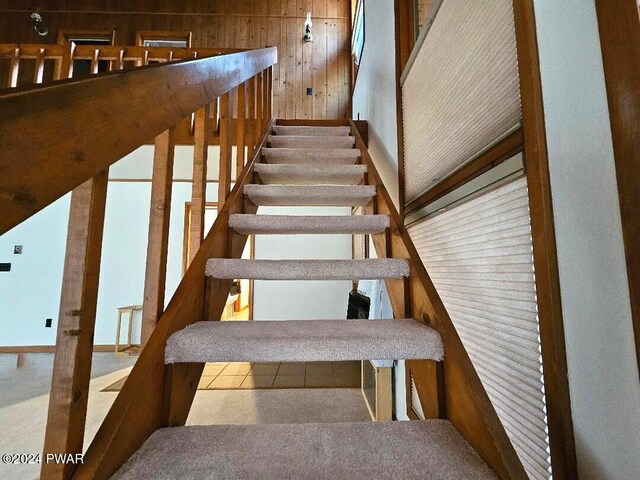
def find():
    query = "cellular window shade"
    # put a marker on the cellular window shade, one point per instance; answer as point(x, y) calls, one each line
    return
point(480, 257)
point(461, 93)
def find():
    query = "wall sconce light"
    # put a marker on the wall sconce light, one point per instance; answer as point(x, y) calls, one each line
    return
point(307, 29)
point(38, 24)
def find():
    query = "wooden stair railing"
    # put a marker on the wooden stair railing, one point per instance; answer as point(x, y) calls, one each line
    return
point(56, 137)
point(449, 389)
point(155, 397)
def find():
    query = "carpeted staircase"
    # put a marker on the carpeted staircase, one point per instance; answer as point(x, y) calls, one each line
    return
point(307, 166)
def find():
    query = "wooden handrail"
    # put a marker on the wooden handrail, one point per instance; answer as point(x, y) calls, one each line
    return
point(460, 396)
point(55, 137)
point(147, 401)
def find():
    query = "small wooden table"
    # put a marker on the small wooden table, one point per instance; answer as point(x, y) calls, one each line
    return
point(128, 348)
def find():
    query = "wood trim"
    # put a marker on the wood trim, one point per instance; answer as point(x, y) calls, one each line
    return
point(619, 24)
point(126, 110)
point(305, 122)
point(76, 325)
point(140, 407)
point(466, 402)
point(405, 41)
point(503, 150)
point(177, 35)
point(560, 424)
point(64, 35)
point(158, 243)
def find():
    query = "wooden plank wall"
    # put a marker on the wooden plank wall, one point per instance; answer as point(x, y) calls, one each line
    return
point(324, 64)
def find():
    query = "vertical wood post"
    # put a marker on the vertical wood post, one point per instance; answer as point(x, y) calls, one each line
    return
point(267, 95)
point(38, 70)
point(156, 270)
point(251, 108)
point(74, 342)
point(240, 130)
point(14, 69)
point(199, 187)
point(259, 105)
point(224, 178)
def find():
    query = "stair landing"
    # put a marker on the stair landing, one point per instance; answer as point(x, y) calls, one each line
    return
point(422, 450)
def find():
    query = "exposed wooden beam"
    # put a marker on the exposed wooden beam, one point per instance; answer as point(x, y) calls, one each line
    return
point(199, 187)
point(102, 119)
point(74, 342)
point(561, 440)
point(619, 25)
point(158, 244)
point(500, 152)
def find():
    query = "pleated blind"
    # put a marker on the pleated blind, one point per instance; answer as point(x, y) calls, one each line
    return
point(461, 93)
point(480, 257)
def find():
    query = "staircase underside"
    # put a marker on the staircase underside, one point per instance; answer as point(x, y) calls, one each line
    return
point(304, 341)
point(430, 449)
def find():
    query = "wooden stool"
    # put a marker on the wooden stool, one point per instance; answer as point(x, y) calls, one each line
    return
point(128, 349)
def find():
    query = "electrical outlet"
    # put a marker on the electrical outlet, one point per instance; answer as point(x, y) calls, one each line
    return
point(5, 267)
point(47, 322)
point(17, 250)
point(309, 90)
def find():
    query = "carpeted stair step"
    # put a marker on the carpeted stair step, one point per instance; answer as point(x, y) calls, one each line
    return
point(311, 131)
point(304, 341)
point(308, 195)
point(425, 450)
point(306, 141)
point(315, 156)
point(366, 269)
point(292, 174)
point(293, 224)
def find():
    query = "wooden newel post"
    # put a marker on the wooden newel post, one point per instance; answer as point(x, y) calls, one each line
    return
point(76, 324)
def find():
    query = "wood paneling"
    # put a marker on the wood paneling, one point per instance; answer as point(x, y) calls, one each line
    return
point(324, 64)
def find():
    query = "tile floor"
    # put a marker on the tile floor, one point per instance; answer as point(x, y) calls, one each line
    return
point(224, 376)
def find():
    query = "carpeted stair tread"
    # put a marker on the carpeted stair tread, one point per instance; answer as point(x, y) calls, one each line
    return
point(425, 450)
point(293, 224)
point(310, 195)
point(304, 341)
point(301, 174)
point(322, 156)
point(311, 131)
point(364, 269)
point(307, 141)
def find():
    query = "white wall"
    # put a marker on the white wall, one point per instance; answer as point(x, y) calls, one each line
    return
point(603, 375)
point(302, 300)
point(374, 95)
point(30, 293)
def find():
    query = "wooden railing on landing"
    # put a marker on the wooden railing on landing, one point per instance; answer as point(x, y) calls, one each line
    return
point(449, 389)
point(57, 136)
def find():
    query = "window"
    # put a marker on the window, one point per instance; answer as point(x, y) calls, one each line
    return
point(163, 38)
point(357, 39)
point(82, 67)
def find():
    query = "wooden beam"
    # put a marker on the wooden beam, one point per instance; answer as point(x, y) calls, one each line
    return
point(240, 129)
point(556, 383)
point(500, 152)
point(141, 406)
point(102, 119)
point(158, 244)
point(226, 141)
point(199, 187)
point(467, 404)
point(74, 342)
point(619, 25)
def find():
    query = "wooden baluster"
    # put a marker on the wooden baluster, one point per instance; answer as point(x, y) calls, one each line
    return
point(224, 178)
point(240, 140)
point(214, 117)
point(14, 69)
point(156, 270)
point(94, 61)
point(251, 104)
point(259, 105)
point(199, 187)
point(265, 97)
point(145, 58)
point(170, 56)
point(76, 323)
point(120, 61)
point(64, 68)
point(270, 93)
point(38, 70)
